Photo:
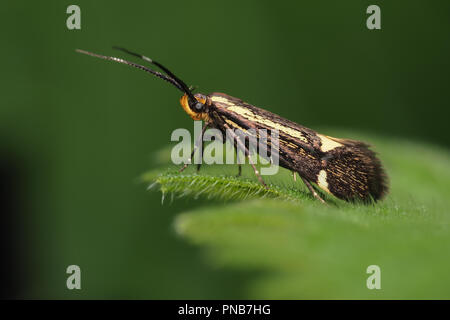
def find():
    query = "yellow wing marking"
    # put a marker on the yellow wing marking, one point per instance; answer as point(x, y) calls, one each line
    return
point(234, 125)
point(220, 99)
point(322, 180)
point(327, 143)
point(249, 115)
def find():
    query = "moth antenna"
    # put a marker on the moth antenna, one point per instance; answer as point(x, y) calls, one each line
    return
point(186, 88)
point(135, 65)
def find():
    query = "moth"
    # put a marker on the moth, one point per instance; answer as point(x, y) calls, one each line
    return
point(346, 169)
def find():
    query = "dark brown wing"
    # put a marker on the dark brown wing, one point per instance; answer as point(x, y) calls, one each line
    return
point(353, 171)
point(348, 169)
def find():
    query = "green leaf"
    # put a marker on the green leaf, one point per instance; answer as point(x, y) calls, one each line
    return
point(298, 248)
point(308, 251)
point(218, 187)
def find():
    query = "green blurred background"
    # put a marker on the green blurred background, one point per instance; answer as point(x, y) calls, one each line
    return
point(77, 132)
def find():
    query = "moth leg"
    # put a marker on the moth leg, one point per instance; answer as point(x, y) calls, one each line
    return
point(237, 158)
point(197, 142)
point(247, 154)
point(201, 155)
point(312, 190)
point(294, 175)
point(239, 165)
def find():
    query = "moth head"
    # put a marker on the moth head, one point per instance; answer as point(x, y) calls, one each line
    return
point(196, 108)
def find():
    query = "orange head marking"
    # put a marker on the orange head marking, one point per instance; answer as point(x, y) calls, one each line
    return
point(196, 110)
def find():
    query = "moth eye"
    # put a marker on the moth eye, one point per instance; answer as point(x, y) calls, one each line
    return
point(199, 106)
